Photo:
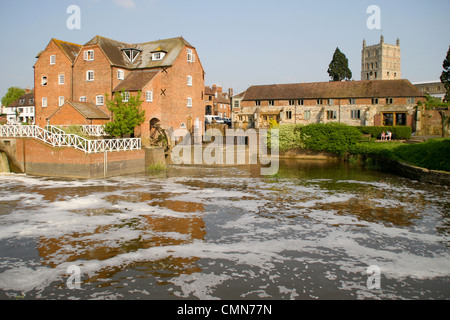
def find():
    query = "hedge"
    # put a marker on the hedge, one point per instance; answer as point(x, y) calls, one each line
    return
point(398, 132)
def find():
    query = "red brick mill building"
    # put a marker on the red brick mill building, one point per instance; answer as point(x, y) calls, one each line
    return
point(73, 82)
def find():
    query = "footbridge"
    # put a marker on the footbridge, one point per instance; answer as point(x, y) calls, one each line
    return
point(50, 151)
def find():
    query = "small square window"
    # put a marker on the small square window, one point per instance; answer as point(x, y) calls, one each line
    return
point(52, 59)
point(44, 81)
point(83, 99)
point(189, 102)
point(89, 55)
point(189, 81)
point(44, 102)
point(61, 101)
point(125, 96)
point(61, 79)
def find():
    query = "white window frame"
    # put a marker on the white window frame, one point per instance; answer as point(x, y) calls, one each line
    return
point(83, 99)
point(189, 102)
point(125, 96)
point(189, 81)
point(158, 56)
point(44, 84)
point(52, 59)
point(61, 77)
point(120, 74)
point(190, 56)
point(88, 78)
point(44, 102)
point(149, 96)
point(60, 101)
point(99, 100)
point(88, 55)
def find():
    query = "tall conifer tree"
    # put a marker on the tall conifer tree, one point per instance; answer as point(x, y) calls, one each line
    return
point(445, 76)
point(338, 68)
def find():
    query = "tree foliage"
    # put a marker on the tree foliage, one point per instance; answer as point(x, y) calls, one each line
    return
point(338, 68)
point(127, 115)
point(12, 95)
point(445, 76)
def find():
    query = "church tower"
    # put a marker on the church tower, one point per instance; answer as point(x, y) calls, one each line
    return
point(381, 61)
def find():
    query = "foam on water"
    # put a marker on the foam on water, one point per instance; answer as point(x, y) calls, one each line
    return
point(285, 237)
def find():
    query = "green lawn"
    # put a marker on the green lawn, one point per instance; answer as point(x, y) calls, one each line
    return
point(433, 154)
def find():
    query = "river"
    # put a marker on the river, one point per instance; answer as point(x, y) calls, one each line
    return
point(315, 230)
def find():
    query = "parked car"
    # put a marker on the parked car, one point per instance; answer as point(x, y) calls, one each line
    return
point(209, 119)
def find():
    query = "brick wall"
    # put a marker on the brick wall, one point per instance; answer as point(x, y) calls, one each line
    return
point(103, 77)
point(53, 90)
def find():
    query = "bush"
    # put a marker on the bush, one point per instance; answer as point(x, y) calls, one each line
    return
point(289, 137)
point(332, 137)
point(398, 132)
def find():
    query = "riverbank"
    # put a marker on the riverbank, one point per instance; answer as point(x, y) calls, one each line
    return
point(426, 161)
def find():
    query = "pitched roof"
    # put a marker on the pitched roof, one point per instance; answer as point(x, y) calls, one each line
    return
point(137, 80)
point(113, 50)
point(71, 50)
point(334, 90)
point(88, 110)
point(27, 98)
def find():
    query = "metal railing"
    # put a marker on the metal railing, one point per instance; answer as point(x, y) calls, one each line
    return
point(57, 138)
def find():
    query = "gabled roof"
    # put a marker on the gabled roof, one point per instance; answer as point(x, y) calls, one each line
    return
point(113, 51)
point(333, 90)
point(137, 80)
point(87, 109)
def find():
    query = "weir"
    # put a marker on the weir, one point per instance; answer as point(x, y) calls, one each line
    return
point(4, 163)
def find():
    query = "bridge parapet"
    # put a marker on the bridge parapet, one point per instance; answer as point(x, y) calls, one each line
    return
point(58, 138)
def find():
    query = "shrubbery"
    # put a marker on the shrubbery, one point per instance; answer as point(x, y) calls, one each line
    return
point(332, 137)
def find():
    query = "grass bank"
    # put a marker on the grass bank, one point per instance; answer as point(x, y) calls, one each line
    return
point(432, 154)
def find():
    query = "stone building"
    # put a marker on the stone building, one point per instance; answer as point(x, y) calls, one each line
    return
point(166, 73)
point(381, 61)
point(358, 103)
point(435, 88)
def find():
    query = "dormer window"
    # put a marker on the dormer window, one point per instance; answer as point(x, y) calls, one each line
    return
point(131, 54)
point(158, 55)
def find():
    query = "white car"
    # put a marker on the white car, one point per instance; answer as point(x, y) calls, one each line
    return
point(209, 119)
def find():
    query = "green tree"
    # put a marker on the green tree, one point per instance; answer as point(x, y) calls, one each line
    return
point(338, 68)
point(12, 95)
point(445, 76)
point(127, 115)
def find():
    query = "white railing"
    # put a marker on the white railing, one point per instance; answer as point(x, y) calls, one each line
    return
point(94, 130)
point(57, 138)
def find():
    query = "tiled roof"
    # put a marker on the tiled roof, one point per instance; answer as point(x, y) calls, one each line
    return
point(113, 50)
point(28, 100)
point(136, 80)
point(333, 90)
point(88, 110)
point(71, 50)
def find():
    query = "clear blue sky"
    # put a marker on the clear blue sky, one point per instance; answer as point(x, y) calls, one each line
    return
point(240, 43)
